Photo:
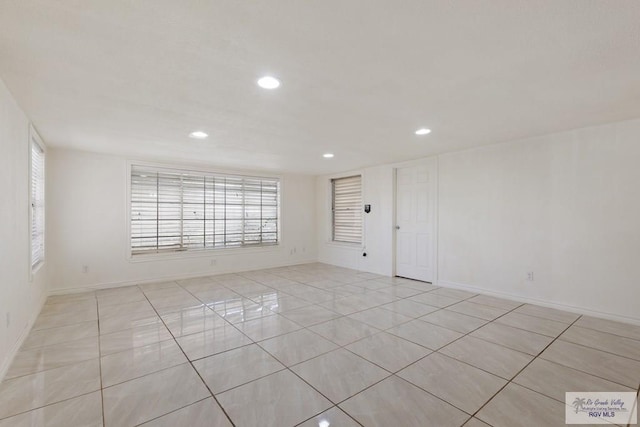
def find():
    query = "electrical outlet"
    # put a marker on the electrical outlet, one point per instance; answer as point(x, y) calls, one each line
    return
point(530, 276)
point(8, 320)
point(85, 269)
point(213, 262)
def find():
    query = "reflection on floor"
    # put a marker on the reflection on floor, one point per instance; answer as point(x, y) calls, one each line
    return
point(310, 345)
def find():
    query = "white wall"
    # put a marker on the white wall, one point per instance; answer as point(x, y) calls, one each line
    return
point(88, 226)
point(20, 297)
point(565, 206)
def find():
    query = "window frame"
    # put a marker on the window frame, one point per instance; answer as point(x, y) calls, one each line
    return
point(207, 252)
point(35, 139)
point(332, 238)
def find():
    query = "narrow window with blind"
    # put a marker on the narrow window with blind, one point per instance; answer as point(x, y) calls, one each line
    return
point(177, 210)
point(37, 204)
point(347, 209)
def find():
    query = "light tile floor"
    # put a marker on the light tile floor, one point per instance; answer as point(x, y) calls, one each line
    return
point(311, 345)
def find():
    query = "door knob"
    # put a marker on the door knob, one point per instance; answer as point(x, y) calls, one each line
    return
point(397, 227)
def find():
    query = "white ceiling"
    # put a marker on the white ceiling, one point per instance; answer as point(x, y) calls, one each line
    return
point(358, 76)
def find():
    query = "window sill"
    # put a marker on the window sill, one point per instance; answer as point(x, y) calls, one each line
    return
point(202, 253)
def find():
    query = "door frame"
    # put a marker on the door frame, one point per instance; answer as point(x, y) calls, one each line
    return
point(436, 187)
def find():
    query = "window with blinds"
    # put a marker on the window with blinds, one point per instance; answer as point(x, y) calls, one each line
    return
point(37, 204)
point(347, 209)
point(176, 210)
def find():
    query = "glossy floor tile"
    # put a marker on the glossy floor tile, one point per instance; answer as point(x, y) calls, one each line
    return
point(140, 361)
point(554, 380)
point(462, 385)
point(380, 318)
point(124, 308)
point(34, 391)
point(137, 336)
point(110, 324)
point(513, 338)
point(268, 327)
point(434, 300)
point(595, 362)
point(192, 320)
point(550, 328)
point(308, 345)
point(454, 321)
point(241, 309)
point(212, 341)
point(396, 402)
point(333, 417)
point(310, 315)
point(85, 410)
point(339, 374)
point(516, 406)
point(604, 341)
point(388, 351)
point(207, 412)
point(65, 318)
point(547, 313)
point(142, 399)
point(296, 347)
point(426, 334)
point(344, 330)
point(63, 334)
point(232, 368)
point(485, 312)
point(53, 356)
point(409, 308)
point(493, 358)
point(495, 302)
point(280, 399)
point(609, 326)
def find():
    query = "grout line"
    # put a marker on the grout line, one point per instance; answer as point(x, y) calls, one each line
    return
point(599, 349)
point(365, 292)
point(437, 351)
point(391, 373)
point(286, 368)
point(48, 404)
point(510, 381)
point(175, 410)
point(337, 408)
point(189, 361)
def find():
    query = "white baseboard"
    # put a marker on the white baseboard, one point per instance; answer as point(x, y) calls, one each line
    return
point(6, 363)
point(544, 303)
point(109, 285)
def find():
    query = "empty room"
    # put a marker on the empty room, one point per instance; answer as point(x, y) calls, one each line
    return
point(319, 213)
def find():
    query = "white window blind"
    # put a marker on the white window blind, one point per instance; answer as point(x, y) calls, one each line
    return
point(37, 205)
point(347, 209)
point(175, 210)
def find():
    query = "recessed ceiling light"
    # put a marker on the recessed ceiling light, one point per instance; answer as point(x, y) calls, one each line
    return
point(268, 82)
point(327, 155)
point(423, 131)
point(198, 134)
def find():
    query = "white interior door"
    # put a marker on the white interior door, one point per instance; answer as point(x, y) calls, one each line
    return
point(415, 221)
